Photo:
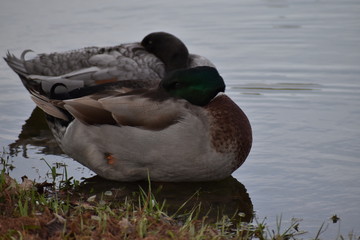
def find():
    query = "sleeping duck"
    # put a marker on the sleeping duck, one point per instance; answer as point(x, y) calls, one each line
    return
point(183, 129)
point(147, 61)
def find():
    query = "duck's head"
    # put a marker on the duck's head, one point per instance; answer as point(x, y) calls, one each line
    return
point(197, 85)
point(168, 48)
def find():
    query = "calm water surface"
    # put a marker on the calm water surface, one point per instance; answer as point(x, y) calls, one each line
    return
point(292, 66)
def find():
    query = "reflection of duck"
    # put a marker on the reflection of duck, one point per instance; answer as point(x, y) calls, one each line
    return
point(35, 132)
point(183, 130)
point(226, 197)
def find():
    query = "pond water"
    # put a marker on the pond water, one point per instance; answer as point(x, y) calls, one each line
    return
point(292, 66)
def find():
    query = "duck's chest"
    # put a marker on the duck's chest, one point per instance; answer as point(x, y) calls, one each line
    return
point(230, 129)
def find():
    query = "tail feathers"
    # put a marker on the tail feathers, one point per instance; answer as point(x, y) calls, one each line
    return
point(18, 65)
point(51, 107)
point(43, 85)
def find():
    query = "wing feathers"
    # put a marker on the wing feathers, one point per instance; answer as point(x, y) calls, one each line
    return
point(142, 112)
point(49, 108)
point(125, 110)
point(89, 111)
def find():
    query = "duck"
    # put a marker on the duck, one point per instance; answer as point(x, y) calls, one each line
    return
point(149, 60)
point(181, 128)
point(184, 130)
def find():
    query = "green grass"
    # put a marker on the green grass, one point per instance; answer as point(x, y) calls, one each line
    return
point(50, 211)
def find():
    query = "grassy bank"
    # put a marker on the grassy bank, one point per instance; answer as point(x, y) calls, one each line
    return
point(31, 210)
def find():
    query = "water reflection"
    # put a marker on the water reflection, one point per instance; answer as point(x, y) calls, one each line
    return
point(35, 132)
point(226, 197)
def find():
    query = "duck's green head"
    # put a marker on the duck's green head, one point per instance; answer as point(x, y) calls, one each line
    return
point(197, 85)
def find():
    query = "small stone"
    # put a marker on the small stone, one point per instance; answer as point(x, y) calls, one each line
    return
point(108, 193)
point(91, 199)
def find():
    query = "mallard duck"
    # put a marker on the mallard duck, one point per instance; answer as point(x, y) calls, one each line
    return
point(184, 129)
point(149, 60)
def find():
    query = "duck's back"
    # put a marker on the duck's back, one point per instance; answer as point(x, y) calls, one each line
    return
point(56, 64)
point(88, 67)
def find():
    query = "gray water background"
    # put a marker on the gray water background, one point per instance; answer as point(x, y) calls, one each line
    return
point(292, 66)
